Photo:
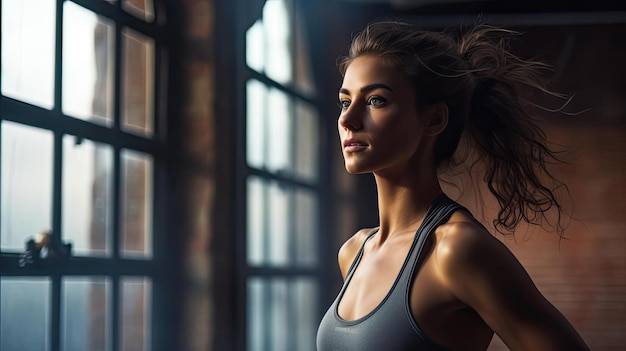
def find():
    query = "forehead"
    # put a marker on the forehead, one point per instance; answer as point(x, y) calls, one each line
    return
point(372, 69)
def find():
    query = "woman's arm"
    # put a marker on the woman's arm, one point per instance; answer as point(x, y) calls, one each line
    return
point(483, 274)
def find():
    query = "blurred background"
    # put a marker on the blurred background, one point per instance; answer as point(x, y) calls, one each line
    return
point(187, 150)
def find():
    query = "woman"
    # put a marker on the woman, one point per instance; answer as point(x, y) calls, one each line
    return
point(430, 277)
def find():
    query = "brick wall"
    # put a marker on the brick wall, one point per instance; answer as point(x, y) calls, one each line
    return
point(584, 276)
point(196, 125)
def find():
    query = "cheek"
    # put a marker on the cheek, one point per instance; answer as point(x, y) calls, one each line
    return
point(399, 138)
point(396, 127)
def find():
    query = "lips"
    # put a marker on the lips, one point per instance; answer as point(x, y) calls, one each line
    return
point(354, 145)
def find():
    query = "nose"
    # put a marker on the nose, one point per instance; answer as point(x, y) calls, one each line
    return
point(351, 119)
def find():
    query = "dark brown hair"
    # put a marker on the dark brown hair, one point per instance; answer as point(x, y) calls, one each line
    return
point(473, 72)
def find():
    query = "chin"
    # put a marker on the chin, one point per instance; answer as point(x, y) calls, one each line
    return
point(355, 169)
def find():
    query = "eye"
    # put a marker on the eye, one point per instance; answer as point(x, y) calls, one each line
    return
point(343, 104)
point(376, 101)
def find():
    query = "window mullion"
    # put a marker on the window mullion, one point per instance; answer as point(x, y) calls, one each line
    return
point(116, 196)
point(55, 295)
point(114, 323)
point(269, 82)
point(55, 312)
point(58, 58)
point(55, 298)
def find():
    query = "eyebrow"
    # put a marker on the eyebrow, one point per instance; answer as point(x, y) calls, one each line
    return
point(367, 88)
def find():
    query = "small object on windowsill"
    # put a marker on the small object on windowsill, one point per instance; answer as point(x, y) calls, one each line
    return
point(44, 246)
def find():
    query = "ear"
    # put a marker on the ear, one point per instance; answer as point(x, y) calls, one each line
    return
point(436, 118)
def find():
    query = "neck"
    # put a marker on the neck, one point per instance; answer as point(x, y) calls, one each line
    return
point(403, 200)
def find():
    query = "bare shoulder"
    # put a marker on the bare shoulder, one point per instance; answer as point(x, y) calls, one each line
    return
point(465, 250)
point(483, 274)
point(349, 249)
point(462, 238)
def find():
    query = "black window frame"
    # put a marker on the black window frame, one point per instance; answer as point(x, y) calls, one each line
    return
point(115, 266)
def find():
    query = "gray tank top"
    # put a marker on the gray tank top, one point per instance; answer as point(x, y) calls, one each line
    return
point(390, 326)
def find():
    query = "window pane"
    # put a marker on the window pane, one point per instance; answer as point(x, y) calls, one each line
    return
point(281, 135)
point(281, 224)
point(25, 306)
point(85, 314)
point(305, 228)
point(278, 45)
point(279, 314)
point(255, 221)
point(28, 50)
point(87, 65)
point(255, 47)
point(303, 298)
point(268, 42)
point(278, 131)
point(276, 21)
point(282, 314)
point(306, 142)
point(136, 239)
point(255, 125)
point(143, 9)
point(267, 315)
point(87, 176)
point(269, 214)
point(138, 89)
point(136, 296)
point(278, 215)
point(26, 184)
point(257, 338)
point(268, 223)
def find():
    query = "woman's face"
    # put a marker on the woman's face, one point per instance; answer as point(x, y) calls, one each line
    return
point(379, 125)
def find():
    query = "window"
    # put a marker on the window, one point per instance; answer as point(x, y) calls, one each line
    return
point(282, 182)
point(82, 147)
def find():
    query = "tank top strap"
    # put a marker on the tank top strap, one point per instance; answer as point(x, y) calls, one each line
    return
point(438, 213)
point(357, 259)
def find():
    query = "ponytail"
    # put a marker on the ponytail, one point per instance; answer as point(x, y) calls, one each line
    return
point(508, 138)
point(481, 82)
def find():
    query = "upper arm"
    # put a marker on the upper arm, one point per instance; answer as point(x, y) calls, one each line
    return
point(484, 275)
